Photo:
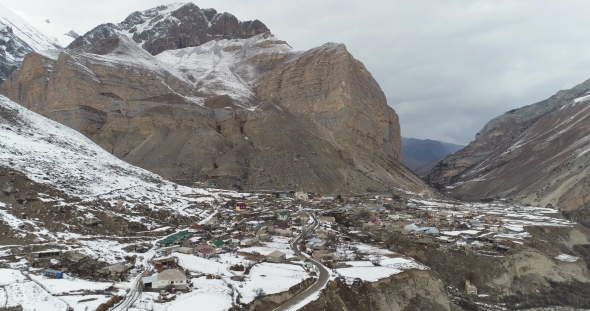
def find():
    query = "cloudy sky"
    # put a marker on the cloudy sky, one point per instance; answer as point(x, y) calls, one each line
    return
point(446, 67)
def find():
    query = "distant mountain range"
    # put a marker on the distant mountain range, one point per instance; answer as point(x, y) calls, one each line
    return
point(421, 155)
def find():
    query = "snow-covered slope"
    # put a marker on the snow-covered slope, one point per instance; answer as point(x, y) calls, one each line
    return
point(17, 39)
point(55, 155)
point(58, 33)
point(226, 67)
point(25, 31)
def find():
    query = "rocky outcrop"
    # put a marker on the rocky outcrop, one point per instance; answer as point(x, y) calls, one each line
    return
point(175, 26)
point(245, 113)
point(536, 154)
point(409, 290)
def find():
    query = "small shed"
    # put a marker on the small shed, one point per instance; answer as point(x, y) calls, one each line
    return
point(276, 256)
point(53, 273)
point(185, 250)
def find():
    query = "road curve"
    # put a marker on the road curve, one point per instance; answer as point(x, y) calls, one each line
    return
point(135, 288)
point(310, 293)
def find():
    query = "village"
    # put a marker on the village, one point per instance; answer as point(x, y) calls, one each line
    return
point(253, 245)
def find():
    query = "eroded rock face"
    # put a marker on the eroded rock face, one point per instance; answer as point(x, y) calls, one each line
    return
point(535, 154)
point(175, 26)
point(245, 113)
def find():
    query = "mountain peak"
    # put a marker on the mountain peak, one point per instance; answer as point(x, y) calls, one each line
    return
point(176, 26)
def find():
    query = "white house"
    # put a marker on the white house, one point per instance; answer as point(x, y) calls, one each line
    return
point(300, 195)
point(171, 278)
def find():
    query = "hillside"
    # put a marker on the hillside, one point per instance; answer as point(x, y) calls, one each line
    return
point(536, 154)
point(421, 155)
point(57, 176)
point(243, 110)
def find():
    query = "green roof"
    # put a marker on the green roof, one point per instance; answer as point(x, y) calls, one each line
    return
point(283, 213)
point(218, 243)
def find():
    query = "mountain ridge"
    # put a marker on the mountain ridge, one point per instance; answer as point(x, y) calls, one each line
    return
point(535, 155)
point(421, 155)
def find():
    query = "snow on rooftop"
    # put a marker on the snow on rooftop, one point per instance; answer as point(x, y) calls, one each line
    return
point(566, 258)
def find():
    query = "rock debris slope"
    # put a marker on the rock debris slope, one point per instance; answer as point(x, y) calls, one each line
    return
point(241, 108)
point(537, 154)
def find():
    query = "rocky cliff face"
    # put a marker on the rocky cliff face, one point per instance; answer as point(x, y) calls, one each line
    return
point(248, 113)
point(536, 154)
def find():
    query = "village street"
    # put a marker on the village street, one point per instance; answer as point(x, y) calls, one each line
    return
point(324, 274)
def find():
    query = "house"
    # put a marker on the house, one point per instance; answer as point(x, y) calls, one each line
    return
point(281, 228)
point(283, 215)
point(300, 195)
point(213, 221)
point(44, 256)
point(325, 256)
point(412, 205)
point(196, 228)
point(167, 279)
point(218, 244)
point(253, 198)
point(431, 220)
point(241, 207)
point(186, 250)
point(470, 288)
point(264, 237)
point(327, 198)
point(53, 273)
point(327, 220)
point(276, 256)
point(113, 271)
point(205, 252)
point(248, 242)
point(394, 216)
point(492, 219)
point(236, 239)
point(345, 209)
point(315, 243)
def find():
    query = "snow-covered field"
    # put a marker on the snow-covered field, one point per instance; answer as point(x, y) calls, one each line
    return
point(271, 278)
point(30, 296)
point(68, 284)
point(9, 276)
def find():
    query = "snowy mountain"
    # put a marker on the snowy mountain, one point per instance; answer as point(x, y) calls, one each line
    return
point(176, 26)
point(17, 39)
point(61, 35)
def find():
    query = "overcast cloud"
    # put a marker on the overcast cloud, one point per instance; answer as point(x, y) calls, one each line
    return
point(446, 67)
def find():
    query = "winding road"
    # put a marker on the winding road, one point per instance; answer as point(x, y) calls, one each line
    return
point(312, 291)
point(135, 288)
